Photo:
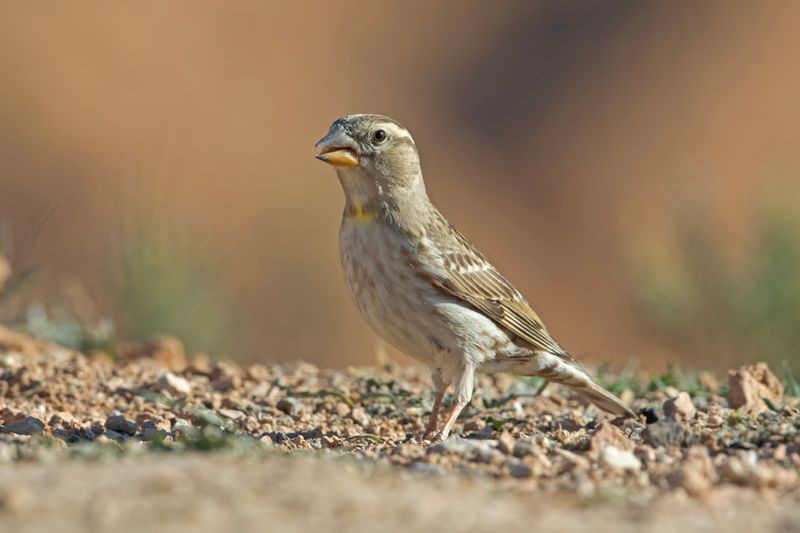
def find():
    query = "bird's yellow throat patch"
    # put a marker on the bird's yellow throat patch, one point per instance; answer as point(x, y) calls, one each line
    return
point(360, 214)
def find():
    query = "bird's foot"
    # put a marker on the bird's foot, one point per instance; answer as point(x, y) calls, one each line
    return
point(431, 437)
point(431, 428)
point(440, 437)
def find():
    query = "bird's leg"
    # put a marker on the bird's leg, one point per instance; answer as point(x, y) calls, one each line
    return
point(440, 387)
point(451, 420)
point(463, 395)
point(433, 420)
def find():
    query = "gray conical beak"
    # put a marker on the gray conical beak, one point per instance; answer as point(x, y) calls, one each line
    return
point(337, 148)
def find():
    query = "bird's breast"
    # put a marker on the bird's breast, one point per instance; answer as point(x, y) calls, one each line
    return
point(384, 287)
point(402, 306)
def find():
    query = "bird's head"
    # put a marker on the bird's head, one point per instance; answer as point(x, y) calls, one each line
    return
point(374, 155)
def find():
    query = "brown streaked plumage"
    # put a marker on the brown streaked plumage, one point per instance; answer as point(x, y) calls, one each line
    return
point(473, 279)
point(422, 285)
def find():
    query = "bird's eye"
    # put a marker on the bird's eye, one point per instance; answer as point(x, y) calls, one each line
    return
point(378, 136)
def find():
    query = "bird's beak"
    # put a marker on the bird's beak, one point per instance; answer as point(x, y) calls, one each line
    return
point(337, 148)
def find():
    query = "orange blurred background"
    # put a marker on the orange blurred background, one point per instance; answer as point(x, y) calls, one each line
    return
point(558, 135)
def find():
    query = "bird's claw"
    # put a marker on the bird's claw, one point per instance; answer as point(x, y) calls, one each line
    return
point(432, 437)
point(439, 437)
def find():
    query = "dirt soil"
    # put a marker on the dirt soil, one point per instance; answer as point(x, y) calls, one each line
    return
point(153, 440)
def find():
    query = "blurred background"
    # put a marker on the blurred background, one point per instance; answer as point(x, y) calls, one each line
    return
point(633, 167)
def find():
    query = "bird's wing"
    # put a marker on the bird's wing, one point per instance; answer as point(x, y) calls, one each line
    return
point(462, 271)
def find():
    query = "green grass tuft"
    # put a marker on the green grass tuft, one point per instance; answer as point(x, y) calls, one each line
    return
point(700, 299)
point(792, 386)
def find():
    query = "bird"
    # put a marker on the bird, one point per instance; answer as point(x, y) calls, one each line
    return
point(424, 287)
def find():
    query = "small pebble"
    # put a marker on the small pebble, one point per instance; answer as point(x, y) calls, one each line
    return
point(614, 457)
point(680, 408)
point(290, 406)
point(174, 384)
point(27, 426)
point(120, 424)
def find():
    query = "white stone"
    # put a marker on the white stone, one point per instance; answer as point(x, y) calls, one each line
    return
point(613, 457)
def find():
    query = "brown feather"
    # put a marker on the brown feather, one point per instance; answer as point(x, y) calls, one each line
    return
point(471, 278)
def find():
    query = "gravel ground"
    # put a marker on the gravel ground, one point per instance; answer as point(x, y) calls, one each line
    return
point(154, 439)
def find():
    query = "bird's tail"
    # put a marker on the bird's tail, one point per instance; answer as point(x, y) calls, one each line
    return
point(605, 400)
point(564, 370)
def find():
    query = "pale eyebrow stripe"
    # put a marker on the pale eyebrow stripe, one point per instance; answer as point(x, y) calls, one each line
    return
point(396, 130)
point(406, 141)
